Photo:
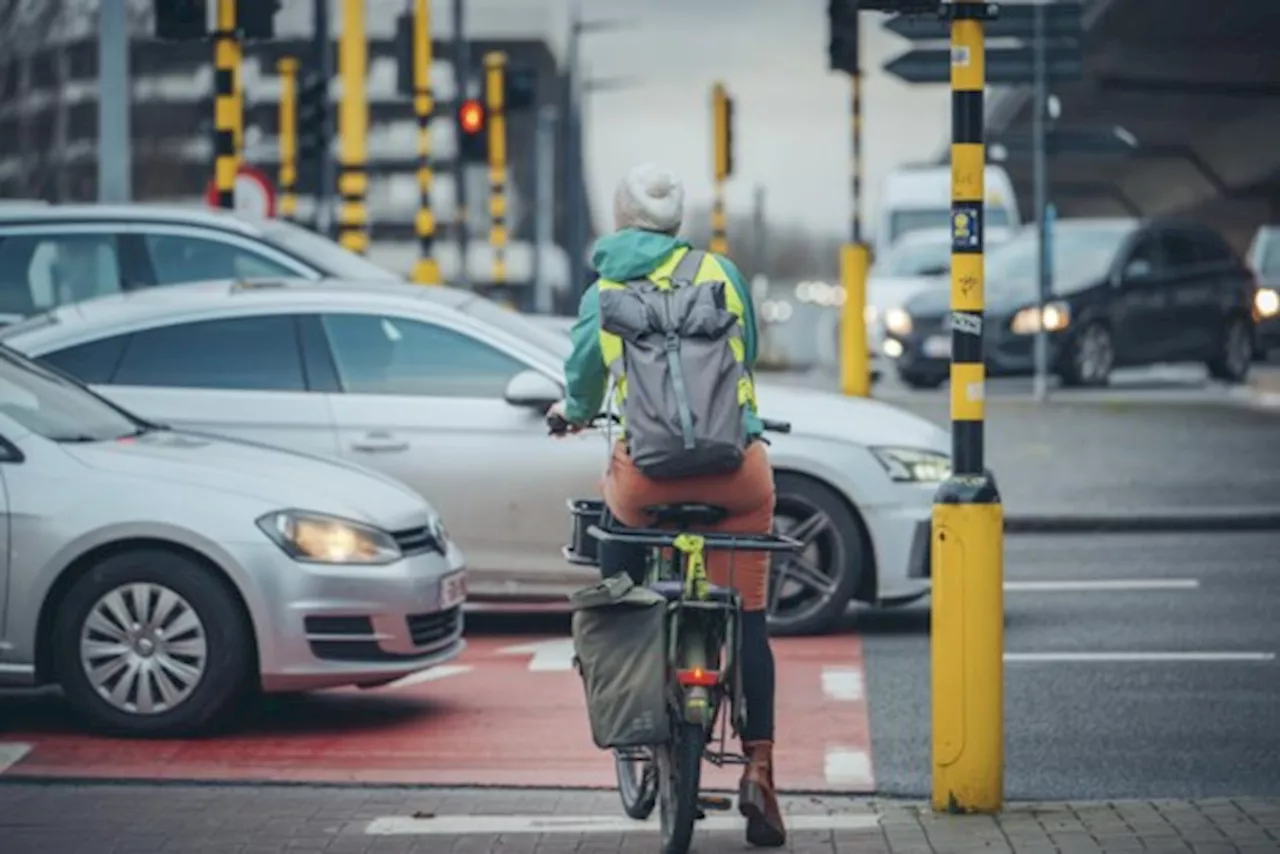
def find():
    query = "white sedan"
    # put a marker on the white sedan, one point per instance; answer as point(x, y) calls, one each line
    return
point(446, 391)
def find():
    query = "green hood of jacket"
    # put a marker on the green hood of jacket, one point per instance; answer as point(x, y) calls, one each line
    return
point(619, 257)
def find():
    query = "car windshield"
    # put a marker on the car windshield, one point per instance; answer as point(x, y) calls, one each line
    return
point(915, 258)
point(54, 407)
point(327, 256)
point(905, 221)
point(519, 326)
point(1081, 255)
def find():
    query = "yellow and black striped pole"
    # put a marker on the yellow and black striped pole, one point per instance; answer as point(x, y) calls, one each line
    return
point(288, 68)
point(353, 129)
point(495, 74)
point(855, 367)
point(967, 632)
point(227, 114)
point(721, 130)
point(425, 271)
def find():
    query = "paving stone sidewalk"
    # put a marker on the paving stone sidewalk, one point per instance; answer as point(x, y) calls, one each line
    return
point(134, 819)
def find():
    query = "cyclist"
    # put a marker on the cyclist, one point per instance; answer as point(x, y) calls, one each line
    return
point(648, 209)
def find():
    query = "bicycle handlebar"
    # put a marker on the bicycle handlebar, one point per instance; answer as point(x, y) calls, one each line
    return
point(656, 538)
point(558, 425)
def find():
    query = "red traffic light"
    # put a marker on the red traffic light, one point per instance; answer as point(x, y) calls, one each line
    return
point(471, 116)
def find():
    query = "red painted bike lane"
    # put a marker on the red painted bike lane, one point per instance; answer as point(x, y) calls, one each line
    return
point(510, 712)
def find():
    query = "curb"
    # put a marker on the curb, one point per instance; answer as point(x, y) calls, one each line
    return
point(1201, 520)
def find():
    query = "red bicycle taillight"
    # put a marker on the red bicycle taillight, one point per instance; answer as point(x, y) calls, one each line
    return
point(697, 677)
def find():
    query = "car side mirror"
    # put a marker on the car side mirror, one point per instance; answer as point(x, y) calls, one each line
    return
point(532, 390)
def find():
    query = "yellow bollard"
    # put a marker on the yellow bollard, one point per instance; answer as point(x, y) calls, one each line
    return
point(855, 363)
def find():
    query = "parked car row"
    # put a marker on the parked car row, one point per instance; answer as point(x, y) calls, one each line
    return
point(281, 532)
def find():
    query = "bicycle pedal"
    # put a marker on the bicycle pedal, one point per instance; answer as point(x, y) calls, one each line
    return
point(715, 802)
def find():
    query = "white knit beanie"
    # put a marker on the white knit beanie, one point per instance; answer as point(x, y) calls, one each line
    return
point(649, 197)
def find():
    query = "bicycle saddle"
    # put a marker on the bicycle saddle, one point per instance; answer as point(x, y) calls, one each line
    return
point(686, 515)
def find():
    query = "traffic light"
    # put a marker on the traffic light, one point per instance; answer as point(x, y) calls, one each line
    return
point(255, 18)
point(473, 132)
point(521, 89)
point(313, 115)
point(842, 48)
point(181, 20)
point(722, 128)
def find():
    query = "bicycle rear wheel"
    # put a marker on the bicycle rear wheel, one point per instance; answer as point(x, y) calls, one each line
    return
point(679, 766)
point(637, 782)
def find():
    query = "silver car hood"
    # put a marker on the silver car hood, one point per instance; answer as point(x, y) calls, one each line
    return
point(867, 422)
point(286, 478)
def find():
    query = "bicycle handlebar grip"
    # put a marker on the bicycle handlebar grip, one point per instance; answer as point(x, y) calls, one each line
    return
point(776, 426)
point(557, 425)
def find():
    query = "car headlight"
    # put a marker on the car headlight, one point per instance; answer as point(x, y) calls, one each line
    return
point(1056, 315)
point(1266, 302)
point(897, 321)
point(912, 465)
point(319, 538)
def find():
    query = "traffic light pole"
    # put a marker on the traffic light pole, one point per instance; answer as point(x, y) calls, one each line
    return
point(353, 128)
point(426, 271)
point(288, 68)
point(495, 70)
point(967, 550)
point(461, 75)
point(720, 121)
point(227, 115)
point(325, 178)
point(855, 368)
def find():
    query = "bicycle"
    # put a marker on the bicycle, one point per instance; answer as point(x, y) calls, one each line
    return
point(703, 638)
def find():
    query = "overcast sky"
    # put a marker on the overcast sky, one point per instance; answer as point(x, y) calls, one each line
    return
point(792, 115)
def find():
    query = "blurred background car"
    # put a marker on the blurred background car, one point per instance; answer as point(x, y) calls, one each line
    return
point(446, 391)
point(1264, 259)
point(52, 255)
point(160, 577)
point(1126, 292)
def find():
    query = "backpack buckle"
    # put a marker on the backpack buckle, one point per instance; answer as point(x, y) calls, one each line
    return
point(671, 342)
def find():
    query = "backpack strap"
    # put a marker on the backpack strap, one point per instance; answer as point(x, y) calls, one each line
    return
point(686, 272)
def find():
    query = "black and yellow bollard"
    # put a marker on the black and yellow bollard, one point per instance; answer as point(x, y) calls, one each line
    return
point(288, 68)
point(227, 114)
point(722, 164)
point(353, 129)
point(968, 520)
point(425, 271)
point(495, 76)
point(855, 261)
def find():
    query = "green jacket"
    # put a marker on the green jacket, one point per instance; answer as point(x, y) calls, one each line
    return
point(619, 257)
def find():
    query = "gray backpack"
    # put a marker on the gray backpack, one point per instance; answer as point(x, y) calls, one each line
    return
point(682, 411)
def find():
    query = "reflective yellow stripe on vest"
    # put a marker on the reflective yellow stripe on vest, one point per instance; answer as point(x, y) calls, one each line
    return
point(709, 271)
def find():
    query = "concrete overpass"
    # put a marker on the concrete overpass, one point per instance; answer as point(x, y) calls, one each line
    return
point(1197, 84)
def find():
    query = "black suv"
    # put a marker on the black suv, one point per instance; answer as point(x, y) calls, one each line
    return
point(1125, 293)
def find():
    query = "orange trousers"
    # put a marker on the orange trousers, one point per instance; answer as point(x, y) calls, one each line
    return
point(747, 493)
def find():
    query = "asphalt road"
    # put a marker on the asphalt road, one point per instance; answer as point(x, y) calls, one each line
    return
point(1108, 729)
point(1158, 442)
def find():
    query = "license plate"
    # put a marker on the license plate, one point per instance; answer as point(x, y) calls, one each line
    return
point(937, 346)
point(453, 590)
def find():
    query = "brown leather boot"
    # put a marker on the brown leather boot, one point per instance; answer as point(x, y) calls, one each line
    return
point(757, 799)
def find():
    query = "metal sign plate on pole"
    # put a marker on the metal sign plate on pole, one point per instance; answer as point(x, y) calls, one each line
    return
point(1061, 20)
point(1005, 66)
point(255, 195)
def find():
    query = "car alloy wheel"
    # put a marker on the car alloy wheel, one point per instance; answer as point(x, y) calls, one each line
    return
point(1094, 355)
point(1238, 349)
point(143, 648)
point(810, 590)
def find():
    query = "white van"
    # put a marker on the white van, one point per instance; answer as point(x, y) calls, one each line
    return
point(914, 198)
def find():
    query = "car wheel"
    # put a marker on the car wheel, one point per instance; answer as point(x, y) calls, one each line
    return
point(921, 381)
point(1090, 357)
point(152, 643)
point(810, 591)
point(1234, 352)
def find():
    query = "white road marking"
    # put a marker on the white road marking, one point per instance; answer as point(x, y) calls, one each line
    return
point(843, 684)
point(489, 825)
point(11, 753)
point(1101, 584)
point(548, 655)
point(441, 672)
point(847, 766)
point(1046, 657)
